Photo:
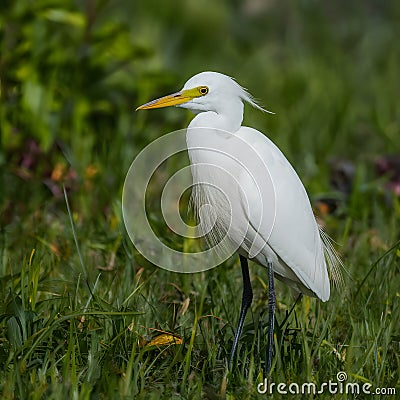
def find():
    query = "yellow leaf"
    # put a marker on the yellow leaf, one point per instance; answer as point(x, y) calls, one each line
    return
point(164, 339)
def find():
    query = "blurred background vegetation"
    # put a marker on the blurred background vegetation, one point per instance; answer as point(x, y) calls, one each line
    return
point(71, 75)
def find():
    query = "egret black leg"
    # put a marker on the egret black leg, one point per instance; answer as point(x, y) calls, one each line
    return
point(247, 298)
point(271, 316)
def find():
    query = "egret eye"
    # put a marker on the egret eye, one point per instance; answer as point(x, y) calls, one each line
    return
point(203, 90)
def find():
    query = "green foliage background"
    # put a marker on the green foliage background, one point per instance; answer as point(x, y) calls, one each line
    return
point(71, 75)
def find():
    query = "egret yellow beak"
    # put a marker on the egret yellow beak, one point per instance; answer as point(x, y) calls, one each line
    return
point(171, 100)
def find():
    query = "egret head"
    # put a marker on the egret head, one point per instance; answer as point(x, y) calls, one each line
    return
point(206, 91)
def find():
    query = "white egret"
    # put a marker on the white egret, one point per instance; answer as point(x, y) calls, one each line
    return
point(270, 220)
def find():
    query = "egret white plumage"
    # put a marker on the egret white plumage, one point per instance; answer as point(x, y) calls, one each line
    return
point(267, 215)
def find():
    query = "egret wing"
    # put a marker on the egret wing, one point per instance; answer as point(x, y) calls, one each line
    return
point(294, 236)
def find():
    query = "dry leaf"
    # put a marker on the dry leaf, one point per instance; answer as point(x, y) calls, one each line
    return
point(165, 339)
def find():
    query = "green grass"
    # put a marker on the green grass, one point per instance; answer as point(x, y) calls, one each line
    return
point(79, 306)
